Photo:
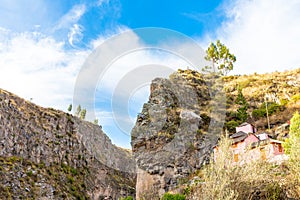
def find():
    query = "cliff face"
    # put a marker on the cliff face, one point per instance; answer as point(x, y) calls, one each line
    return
point(46, 153)
point(178, 126)
point(171, 139)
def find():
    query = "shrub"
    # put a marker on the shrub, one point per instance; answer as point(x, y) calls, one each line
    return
point(295, 98)
point(127, 198)
point(29, 173)
point(274, 191)
point(272, 108)
point(258, 113)
point(284, 102)
point(231, 125)
point(168, 196)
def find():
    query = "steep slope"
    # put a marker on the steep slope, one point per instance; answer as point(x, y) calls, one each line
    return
point(171, 138)
point(46, 153)
point(179, 125)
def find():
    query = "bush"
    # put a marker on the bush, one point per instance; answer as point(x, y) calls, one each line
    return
point(127, 198)
point(168, 196)
point(231, 125)
point(295, 98)
point(284, 102)
point(258, 113)
point(272, 108)
point(274, 191)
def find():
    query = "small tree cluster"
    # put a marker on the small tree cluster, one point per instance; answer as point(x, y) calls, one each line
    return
point(262, 112)
point(81, 113)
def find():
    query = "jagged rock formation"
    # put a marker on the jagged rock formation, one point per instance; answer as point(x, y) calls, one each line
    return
point(180, 123)
point(171, 138)
point(49, 154)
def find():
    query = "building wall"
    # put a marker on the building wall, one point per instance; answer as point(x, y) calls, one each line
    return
point(246, 129)
point(272, 152)
point(277, 149)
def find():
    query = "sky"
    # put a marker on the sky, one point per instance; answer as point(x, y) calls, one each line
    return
point(45, 44)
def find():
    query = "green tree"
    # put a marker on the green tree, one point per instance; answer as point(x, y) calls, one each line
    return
point(70, 108)
point(78, 110)
point(292, 149)
point(293, 141)
point(243, 106)
point(82, 114)
point(222, 60)
point(231, 125)
point(96, 121)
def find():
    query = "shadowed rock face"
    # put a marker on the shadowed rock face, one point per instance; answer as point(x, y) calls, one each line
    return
point(170, 139)
point(68, 157)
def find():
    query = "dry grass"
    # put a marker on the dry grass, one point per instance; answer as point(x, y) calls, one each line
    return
point(225, 180)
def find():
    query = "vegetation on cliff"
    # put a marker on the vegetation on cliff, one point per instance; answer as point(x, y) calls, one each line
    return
point(256, 99)
point(46, 153)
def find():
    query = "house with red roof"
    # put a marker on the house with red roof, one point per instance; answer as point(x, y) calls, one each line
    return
point(247, 146)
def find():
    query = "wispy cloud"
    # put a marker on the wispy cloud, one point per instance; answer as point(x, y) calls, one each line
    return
point(102, 2)
point(71, 17)
point(75, 34)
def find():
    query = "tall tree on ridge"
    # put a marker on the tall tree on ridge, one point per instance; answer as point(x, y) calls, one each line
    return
point(222, 60)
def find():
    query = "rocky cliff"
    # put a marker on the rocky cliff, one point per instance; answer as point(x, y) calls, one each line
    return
point(172, 137)
point(49, 154)
point(178, 126)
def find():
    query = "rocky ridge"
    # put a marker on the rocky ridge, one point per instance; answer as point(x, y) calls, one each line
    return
point(178, 126)
point(46, 153)
point(171, 138)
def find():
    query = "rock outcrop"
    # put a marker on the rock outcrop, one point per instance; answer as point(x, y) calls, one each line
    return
point(49, 154)
point(178, 126)
point(171, 138)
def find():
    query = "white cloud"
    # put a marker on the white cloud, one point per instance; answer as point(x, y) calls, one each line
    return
point(18, 15)
point(75, 34)
point(71, 17)
point(36, 66)
point(264, 35)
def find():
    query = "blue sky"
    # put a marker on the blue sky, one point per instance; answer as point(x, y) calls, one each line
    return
point(43, 44)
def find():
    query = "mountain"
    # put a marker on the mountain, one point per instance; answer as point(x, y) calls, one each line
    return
point(49, 154)
point(186, 114)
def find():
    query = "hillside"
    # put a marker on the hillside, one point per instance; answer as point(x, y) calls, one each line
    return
point(279, 89)
point(49, 154)
point(184, 117)
point(46, 153)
